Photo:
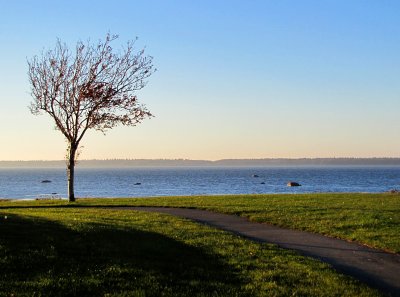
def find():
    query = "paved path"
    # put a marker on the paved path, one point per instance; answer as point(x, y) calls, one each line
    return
point(374, 267)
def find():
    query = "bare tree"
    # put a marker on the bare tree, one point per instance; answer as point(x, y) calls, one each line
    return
point(91, 87)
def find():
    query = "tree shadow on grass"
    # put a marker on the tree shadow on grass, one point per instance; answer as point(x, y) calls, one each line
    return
point(43, 257)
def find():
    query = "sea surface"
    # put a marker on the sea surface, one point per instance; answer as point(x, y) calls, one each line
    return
point(20, 183)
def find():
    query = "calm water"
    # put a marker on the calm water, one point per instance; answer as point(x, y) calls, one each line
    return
point(26, 183)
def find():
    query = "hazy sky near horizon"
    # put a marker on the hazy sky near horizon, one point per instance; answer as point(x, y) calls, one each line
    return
point(235, 79)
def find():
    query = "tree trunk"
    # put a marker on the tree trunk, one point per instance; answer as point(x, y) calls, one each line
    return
point(71, 172)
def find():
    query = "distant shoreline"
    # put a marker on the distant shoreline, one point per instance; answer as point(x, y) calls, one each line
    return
point(206, 163)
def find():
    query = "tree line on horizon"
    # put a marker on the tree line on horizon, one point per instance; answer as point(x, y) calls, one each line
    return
point(222, 162)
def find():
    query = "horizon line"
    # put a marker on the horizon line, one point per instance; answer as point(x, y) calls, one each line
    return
point(204, 160)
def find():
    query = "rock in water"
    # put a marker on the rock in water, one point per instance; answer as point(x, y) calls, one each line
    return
point(293, 184)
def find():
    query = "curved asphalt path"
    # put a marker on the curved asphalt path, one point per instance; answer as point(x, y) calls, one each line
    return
point(376, 268)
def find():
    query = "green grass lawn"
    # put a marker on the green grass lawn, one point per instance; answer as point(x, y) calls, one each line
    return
point(371, 219)
point(62, 251)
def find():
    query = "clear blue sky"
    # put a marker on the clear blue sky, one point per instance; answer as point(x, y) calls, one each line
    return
point(235, 79)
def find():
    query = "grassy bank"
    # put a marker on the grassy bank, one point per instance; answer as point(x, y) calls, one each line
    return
point(371, 219)
point(102, 252)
